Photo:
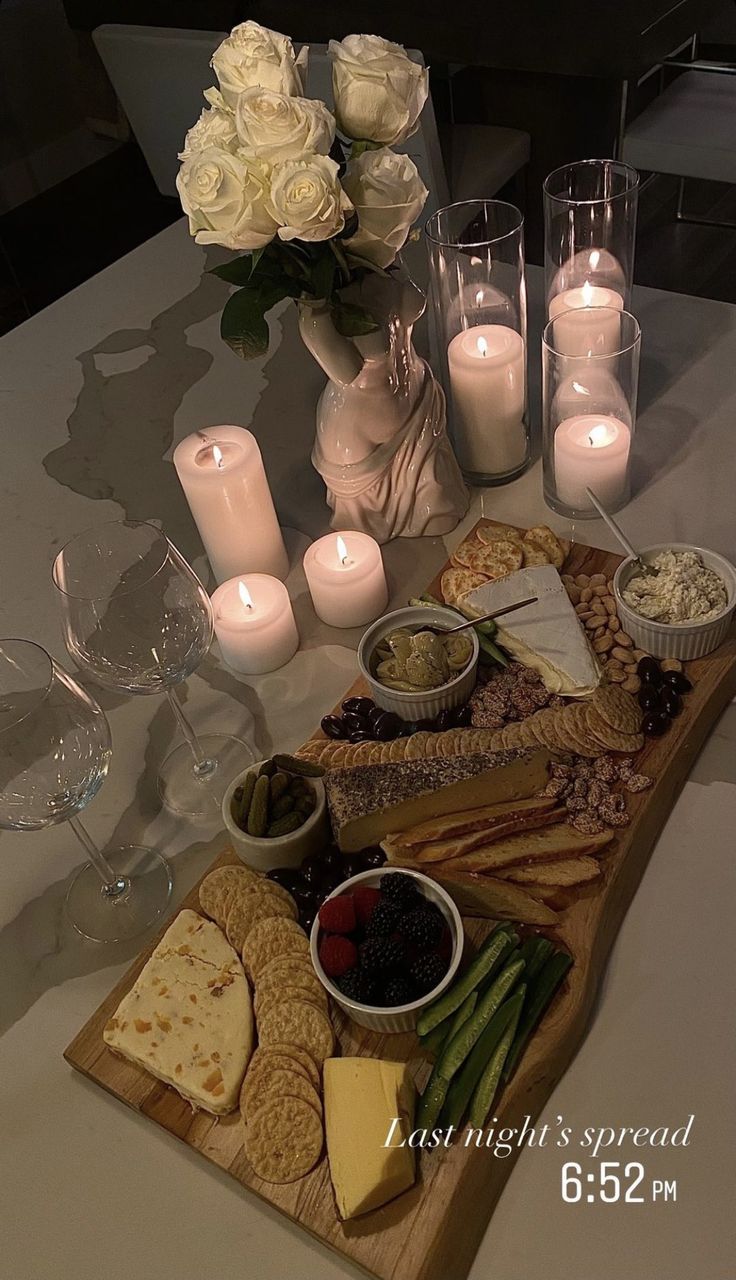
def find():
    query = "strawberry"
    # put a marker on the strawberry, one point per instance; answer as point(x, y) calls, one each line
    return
point(337, 915)
point(337, 955)
point(366, 899)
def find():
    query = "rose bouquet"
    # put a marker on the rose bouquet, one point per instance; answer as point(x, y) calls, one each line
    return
point(315, 201)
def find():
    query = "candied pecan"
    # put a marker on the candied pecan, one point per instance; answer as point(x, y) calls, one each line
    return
point(637, 782)
point(606, 768)
point(587, 823)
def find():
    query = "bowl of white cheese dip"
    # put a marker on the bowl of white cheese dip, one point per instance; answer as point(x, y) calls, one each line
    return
point(686, 609)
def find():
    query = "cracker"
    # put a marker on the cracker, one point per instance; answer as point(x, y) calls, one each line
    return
point(460, 555)
point(273, 1085)
point(283, 1139)
point(220, 881)
point(300, 1023)
point(496, 559)
point(246, 912)
point(609, 737)
point(617, 708)
point(397, 749)
point(270, 938)
point(300, 989)
point(264, 1062)
point(293, 1054)
point(276, 969)
point(497, 532)
point(534, 556)
point(542, 536)
point(456, 583)
point(416, 744)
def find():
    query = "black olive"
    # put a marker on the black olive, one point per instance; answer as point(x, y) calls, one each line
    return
point(386, 727)
point(333, 727)
point(373, 858)
point(289, 879)
point(313, 872)
point(648, 669)
point(677, 681)
point(426, 726)
point(444, 720)
point(463, 716)
point(355, 723)
point(648, 697)
point(654, 724)
point(414, 726)
point(670, 702)
point(361, 706)
point(375, 714)
point(360, 735)
point(352, 866)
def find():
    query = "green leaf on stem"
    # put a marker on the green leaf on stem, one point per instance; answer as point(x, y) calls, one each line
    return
point(243, 323)
point(352, 321)
point(240, 270)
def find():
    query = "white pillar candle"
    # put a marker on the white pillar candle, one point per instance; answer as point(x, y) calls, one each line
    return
point(579, 331)
point(221, 473)
point(593, 450)
point(254, 623)
point(346, 579)
point(487, 376)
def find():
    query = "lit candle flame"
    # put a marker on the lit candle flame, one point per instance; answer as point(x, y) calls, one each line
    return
point(342, 550)
point(217, 455)
point(587, 294)
point(482, 346)
point(599, 435)
point(245, 597)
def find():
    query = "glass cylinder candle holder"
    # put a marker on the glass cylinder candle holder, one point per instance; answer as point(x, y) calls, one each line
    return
point(590, 379)
point(476, 253)
point(589, 235)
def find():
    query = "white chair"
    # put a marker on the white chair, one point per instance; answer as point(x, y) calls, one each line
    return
point(482, 158)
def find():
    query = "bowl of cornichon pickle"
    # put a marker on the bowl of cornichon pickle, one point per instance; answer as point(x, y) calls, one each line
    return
point(276, 812)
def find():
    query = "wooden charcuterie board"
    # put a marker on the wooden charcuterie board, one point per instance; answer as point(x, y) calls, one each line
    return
point(433, 1231)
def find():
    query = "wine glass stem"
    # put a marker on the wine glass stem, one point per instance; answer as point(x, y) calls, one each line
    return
point(112, 886)
point(204, 767)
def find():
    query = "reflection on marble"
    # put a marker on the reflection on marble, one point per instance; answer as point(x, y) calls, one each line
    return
point(94, 393)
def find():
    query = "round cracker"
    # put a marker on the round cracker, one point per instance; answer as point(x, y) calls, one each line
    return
point(269, 938)
point(217, 883)
point(250, 910)
point(293, 1052)
point(609, 737)
point(497, 532)
point(283, 1139)
point(456, 583)
point(287, 969)
point(268, 997)
point(268, 1062)
point(297, 1022)
point(268, 1085)
point(496, 559)
point(460, 555)
point(617, 708)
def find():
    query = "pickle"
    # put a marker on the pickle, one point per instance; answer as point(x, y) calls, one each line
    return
point(258, 812)
point(284, 804)
point(267, 769)
point(279, 784)
point(305, 804)
point(284, 826)
point(241, 800)
point(304, 768)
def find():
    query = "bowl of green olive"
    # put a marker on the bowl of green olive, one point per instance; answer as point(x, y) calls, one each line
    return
point(413, 671)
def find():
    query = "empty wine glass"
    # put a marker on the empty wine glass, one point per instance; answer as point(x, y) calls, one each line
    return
point(54, 756)
point(136, 617)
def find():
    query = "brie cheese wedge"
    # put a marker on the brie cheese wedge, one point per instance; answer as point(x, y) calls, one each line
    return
point(188, 1018)
point(546, 636)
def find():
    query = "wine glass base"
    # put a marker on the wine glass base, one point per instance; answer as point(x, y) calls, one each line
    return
point(182, 791)
point(102, 918)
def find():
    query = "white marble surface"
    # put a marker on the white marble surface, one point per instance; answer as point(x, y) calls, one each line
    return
point(94, 393)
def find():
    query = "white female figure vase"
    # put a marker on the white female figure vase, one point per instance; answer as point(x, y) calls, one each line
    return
point(381, 445)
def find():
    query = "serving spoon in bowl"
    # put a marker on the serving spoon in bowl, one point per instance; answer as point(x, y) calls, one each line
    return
point(649, 570)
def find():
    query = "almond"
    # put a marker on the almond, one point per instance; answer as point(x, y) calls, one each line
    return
point(598, 580)
point(603, 643)
point(632, 684)
point(621, 654)
point(600, 590)
point(625, 640)
point(598, 607)
point(582, 580)
point(586, 594)
point(610, 605)
point(614, 624)
point(671, 664)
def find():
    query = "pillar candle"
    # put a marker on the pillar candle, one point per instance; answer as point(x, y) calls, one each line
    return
point(593, 450)
point(582, 327)
point(346, 579)
point(221, 473)
point(254, 623)
point(487, 377)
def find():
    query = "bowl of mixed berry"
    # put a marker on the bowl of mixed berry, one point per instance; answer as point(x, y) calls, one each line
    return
point(384, 944)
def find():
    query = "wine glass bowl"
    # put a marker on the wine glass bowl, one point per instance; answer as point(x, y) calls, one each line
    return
point(55, 743)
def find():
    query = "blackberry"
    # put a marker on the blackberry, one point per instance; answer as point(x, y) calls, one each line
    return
point(423, 926)
point(381, 955)
point(398, 887)
point(427, 971)
point(383, 919)
point(357, 985)
point(398, 990)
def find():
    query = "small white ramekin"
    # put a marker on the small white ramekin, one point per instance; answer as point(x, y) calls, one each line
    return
point(279, 851)
point(684, 640)
point(427, 704)
point(403, 1017)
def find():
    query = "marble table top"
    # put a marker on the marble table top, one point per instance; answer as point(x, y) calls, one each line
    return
point(94, 394)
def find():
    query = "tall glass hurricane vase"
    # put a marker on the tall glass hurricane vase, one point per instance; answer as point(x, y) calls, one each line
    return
point(54, 756)
point(476, 252)
point(589, 234)
point(137, 618)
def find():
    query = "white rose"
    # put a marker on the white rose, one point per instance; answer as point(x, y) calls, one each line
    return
point(277, 127)
point(388, 196)
point(214, 128)
point(307, 200)
point(254, 55)
point(225, 198)
point(379, 91)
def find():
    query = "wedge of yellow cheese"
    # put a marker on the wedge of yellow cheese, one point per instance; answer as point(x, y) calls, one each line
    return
point(363, 1097)
point(188, 1018)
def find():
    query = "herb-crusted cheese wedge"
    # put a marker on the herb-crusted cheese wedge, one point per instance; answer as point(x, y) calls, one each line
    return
point(188, 1018)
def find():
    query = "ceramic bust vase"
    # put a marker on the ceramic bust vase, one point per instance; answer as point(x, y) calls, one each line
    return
point(381, 444)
